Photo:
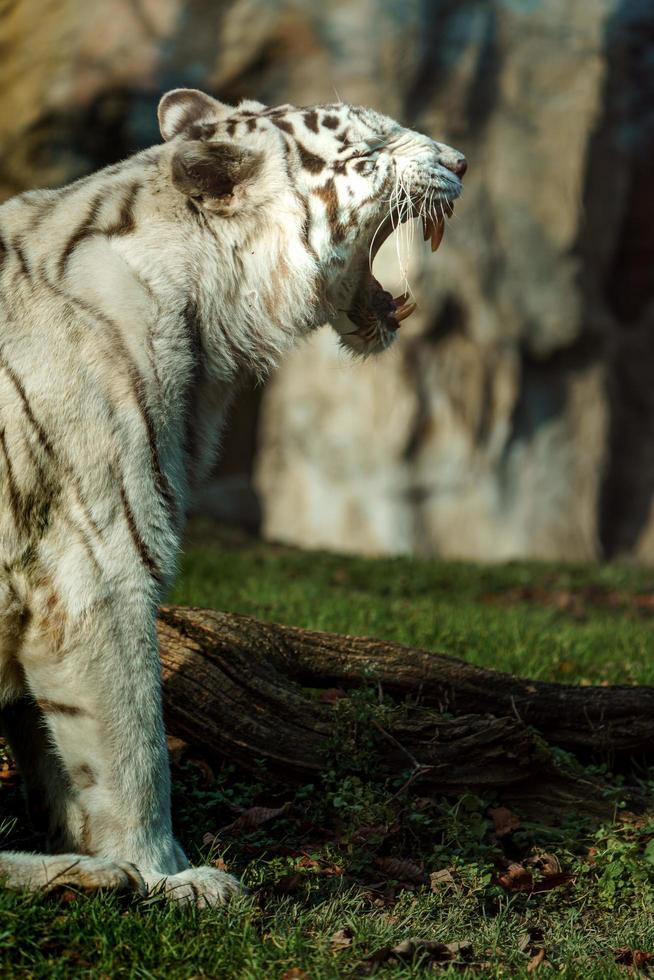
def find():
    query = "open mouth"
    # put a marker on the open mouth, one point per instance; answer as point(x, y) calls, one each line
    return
point(372, 306)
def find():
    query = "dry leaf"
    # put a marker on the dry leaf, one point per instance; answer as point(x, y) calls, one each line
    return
point(547, 864)
point(529, 940)
point(536, 960)
point(341, 939)
point(254, 818)
point(295, 973)
point(402, 869)
point(176, 748)
point(332, 694)
point(307, 862)
point(441, 879)
point(332, 870)
point(504, 820)
point(517, 879)
point(632, 957)
point(430, 952)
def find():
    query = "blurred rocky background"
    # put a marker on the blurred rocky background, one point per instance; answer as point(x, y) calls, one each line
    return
point(515, 415)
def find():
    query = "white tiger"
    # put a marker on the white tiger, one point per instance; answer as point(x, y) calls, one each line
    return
point(131, 302)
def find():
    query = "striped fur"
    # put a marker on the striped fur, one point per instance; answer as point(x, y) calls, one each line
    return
point(131, 304)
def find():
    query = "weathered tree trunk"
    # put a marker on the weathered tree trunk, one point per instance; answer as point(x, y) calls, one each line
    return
point(236, 689)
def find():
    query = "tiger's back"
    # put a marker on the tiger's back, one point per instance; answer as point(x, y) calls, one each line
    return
point(77, 408)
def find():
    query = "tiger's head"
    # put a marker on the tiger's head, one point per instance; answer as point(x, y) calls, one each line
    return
point(330, 181)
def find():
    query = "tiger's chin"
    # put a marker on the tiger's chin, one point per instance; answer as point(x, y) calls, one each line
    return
point(373, 318)
point(375, 313)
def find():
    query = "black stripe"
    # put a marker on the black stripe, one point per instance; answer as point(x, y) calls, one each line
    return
point(191, 321)
point(327, 193)
point(311, 120)
point(306, 228)
point(86, 543)
point(57, 708)
point(83, 231)
point(191, 116)
point(17, 246)
point(138, 391)
point(14, 496)
point(139, 543)
point(310, 161)
point(42, 211)
point(47, 446)
point(125, 222)
point(201, 131)
point(285, 125)
point(18, 385)
point(90, 520)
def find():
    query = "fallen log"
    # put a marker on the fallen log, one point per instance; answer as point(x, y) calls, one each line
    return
point(242, 690)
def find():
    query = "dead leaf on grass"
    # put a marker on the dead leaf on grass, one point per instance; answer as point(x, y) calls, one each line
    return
point(341, 939)
point(529, 941)
point(517, 878)
point(443, 879)
point(632, 957)
point(402, 869)
point(307, 862)
point(332, 694)
point(373, 834)
point(295, 973)
point(537, 960)
point(248, 821)
point(547, 864)
point(431, 953)
point(257, 816)
point(177, 748)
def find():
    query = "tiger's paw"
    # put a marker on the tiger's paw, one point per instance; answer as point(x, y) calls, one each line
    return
point(202, 887)
point(89, 874)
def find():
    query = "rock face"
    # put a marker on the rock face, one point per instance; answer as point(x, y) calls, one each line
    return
point(515, 414)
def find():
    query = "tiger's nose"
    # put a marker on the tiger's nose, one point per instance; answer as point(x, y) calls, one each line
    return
point(456, 162)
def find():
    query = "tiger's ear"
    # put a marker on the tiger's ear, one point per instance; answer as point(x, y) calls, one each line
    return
point(209, 172)
point(183, 108)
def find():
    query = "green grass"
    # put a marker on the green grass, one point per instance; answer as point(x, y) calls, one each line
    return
point(458, 608)
point(316, 869)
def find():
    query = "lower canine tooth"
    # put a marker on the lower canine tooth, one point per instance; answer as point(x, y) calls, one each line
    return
point(404, 311)
point(437, 231)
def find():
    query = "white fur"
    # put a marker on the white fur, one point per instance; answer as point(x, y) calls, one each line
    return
point(129, 313)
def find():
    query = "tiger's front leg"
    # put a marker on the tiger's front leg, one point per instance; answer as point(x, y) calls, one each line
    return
point(97, 685)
